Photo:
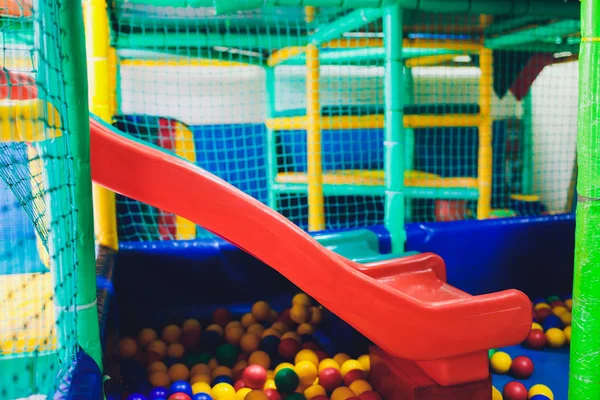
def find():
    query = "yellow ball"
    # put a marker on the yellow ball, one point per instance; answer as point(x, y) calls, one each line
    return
point(156, 366)
point(539, 306)
point(221, 370)
point(271, 332)
point(248, 319)
point(146, 336)
point(171, 334)
point(191, 326)
point(261, 311)
point(200, 378)
point(350, 365)
point(201, 387)
point(567, 332)
point(200, 369)
point(359, 387)
point(234, 335)
point(216, 328)
point(175, 350)
point(280, 326)
point(159, 347)
point(306, 355)
point(566, 318)
point(559, 310)
point(340, 358)
point(229, 396)
point(496, 395)
point(555, 337)
point(243, 392)
point(299, 314)
point(257, 329)
point(305, 329)
point(365, 361)
point(541, 389)
point(307, 372)
point(249, 342)
point(270, 384)
point(282, 366)
point(213, 363)
point(569, 304)
point(256, 395)
point(316, 315)
point(291, 335)
point(536, 326)
point(179, 372)
point(342, 393)
point(500, 362)
point(328, 363)
point(260, 358)
point(222, 389)
point(314, 390)
point(233, 324)
point(159, 378)
point(127, 347)
point(301, 299)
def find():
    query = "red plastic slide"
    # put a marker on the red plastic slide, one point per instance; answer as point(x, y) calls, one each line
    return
point(404, 306)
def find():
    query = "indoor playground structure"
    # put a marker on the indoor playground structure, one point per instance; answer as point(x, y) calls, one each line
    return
point(299, 200)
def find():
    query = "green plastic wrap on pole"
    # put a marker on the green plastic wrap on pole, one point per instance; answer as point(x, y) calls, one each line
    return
point(348, 23)
point(361, 55)
point(271, 139)
point(174, 3)
point(527, 144)
point(75, 78)
point(409, 87)
point(584, 380)
point(553, 30)
point(394, 141)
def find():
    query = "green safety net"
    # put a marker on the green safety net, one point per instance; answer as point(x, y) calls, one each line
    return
point(213, 75)
point(39, 239)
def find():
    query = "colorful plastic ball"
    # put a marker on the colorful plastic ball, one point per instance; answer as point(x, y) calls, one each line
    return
point(552, 298)
point(170, 361)
point(226, 354)
point(307, 372)
point(536, 326)
point(370, 395)
point(201, 396)
point(171, 334)
point(539, 397)
point(221, 317)
point(365, 361)
point(213, 363)
point(555, 337)
point(159, 379)
point(178, 372)
point(175, 350)
point(221, 370)
point(270, 383)
point(211, 340)
point(342, 393)
point(222, 389)
point(286, 380)
point(191, 325)
point(500, 362)
point(567, 332)
point(282, 366)
point(514, 391)
point(181, 386)
point(330, 378)
point(200, 369)
point(341, 358)
point(158, 393)
point(215, 328)
point(254, 376)
point(295, 396)
point(496, 395)
point(320, 397)
point(256, 395)
point(146, 336)
point(521, 367)
point(238, 369)
point(261, 311)
point(360, 386)
point(306, 355)
point(204, 358)
point(569, 304)
point(354, 375)
point(239, 384)
point(270, 345)
point(249, 342)
point(222, 379)
point(301, 299)
point(566, 318)
point(536, 340)
point(540, 306)
point(328, 363)
point(313, 391)
point(200, 378)
point(241, 393)
point(156, 366)
point(543, 313)
point(127, 347)
point(136, 396)
point(316, 315)
point(271, 332)
point(201, 387)
point(300, 314)
point(179, 396)
point(234, 335)
point(541, 389)
point(350, 365)
point(552, 321)
point(288, 348)
point(256, 329)
point(272, 394)
point(305, 329)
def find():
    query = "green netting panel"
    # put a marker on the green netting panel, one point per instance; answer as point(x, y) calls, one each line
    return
point(460, 158)
point(40, 212)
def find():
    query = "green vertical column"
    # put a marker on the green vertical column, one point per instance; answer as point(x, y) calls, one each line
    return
point(584, 380)
point(394, 127)
point(409, 133)
point(527, 144)
point(271, 139)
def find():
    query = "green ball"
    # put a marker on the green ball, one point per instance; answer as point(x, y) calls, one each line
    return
point(193, 358)
point(204, 358)
point(491, 352)
point(287, 381)
point(295, 396)
point(550, 299)
point(226, 355)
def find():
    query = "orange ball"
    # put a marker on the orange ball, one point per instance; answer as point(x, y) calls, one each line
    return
point(191, 325)
point(160, 378)
point(359, 387)
point(271, 332)
point(233, 324)
point(146, 336)
point(248, 319)
point(216, 328)
point(200, 369)
point(175, 350)
point(159, 347)
point(313, 391)
point(200, 378)
point(127, 347)
point(341, 358)
point(342, 393)
point(257, 329)
point(301, 299)
point(316, 315)
point(256, 395)
point(261, 311)
point(305, 329)
point(220, 371)
point(280, 326)
point(234, 335)
point(157, 366)
point(260, 358)
point(299, 314)
point(249, 342)
point(171, 334)
point(179, 372)
point(291, 335)
point(213, 363)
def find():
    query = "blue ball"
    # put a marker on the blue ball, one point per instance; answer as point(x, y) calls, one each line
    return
point(552, 321)
point(210, 341)
point(158, 393)
point(136, 396)
point(181, 386)
point(270, 345)
point(222, 379)
point(201, 396)
point(539, 397)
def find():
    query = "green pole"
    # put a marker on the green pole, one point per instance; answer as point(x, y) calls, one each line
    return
point(523, 37)
point(408, 132)
point(527, 144)
point(348, 23)
point(361, 55)
point(271, 139)
point(394, 127)
point(584, 380)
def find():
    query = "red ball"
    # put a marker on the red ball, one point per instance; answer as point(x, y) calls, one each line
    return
point(354, 375)
point(288, 348)
point(521, 367)
point(536, 339)
point(285, 316)
point(310, 346)
point(514, 391)
point(243, 357)
point(321, 355)
point(179, 396)
point(239, 384)
point(557, 303)
point(320, 397)
point(272, 394)
point(370, 395)
point(222, 316)
point(254, 376)
point(330, 379)
point(542, 313)
point(352, 398)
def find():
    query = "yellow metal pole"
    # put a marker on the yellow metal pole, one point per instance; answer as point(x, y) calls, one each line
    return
point(309, 14)
point(99, 83)
point(427, 61)
point(484, 173)
point(284, 54)
point(316, 204)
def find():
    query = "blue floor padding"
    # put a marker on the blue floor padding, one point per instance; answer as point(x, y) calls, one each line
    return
point(551, 368)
